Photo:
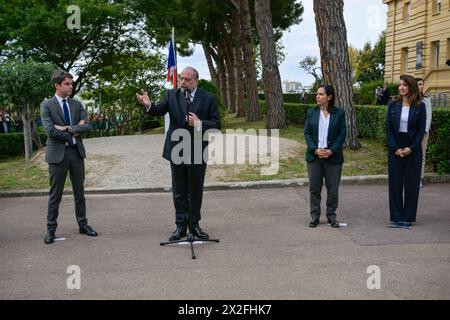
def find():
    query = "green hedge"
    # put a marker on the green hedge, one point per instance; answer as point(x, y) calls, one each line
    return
point(439, 144)
point(12, 144)
point(294, 97)
point(371, 123)
point(366, 94)
point(296, 113)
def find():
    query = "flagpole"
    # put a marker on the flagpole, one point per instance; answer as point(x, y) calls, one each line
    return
point(171, 45)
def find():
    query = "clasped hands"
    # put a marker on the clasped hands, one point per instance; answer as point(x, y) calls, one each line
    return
point(323, 153)
point(144, 100)
point(403, 152)
point(69, 128)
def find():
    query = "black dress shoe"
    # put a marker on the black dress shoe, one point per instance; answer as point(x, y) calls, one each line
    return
point(314, 223)
point(49, 237)
point(333, 223)
point(87, 230)
point(178, 233)
point(199, 233)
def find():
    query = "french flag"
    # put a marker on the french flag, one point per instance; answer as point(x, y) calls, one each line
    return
point(172, 63)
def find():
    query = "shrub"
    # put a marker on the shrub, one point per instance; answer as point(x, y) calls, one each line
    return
point(294, 97)
point(12, 144)
point(438, 151)
point(210, 87)
point(371, 123)
point(366, 94)
point(296, 113)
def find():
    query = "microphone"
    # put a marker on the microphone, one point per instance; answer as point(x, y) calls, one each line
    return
point(187, 95)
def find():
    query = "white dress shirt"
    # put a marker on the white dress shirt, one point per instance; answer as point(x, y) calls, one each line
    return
point(324, 123)
point(60, 100)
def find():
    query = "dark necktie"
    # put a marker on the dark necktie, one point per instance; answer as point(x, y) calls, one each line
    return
point(189, 102)
point(66, 113)
point(188, 105)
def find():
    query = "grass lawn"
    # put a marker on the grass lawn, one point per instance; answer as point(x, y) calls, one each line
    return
point(20, 174)
point(371, 159)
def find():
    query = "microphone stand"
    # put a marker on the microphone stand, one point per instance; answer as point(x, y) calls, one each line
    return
point(190, 236)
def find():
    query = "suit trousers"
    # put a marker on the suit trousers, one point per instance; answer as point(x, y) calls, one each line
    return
point(74, 164)
point(404, 177)
point(319, 170)
point(180, 191)
point(424, 153)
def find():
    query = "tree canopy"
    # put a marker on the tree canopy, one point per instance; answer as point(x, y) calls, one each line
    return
point(40, 32)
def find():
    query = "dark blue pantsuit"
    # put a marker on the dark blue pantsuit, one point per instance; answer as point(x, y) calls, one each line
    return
point(404, 173)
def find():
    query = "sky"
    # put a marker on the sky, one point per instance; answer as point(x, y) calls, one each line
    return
point(364, 19)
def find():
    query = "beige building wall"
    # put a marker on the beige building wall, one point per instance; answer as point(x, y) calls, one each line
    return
point(414, 26)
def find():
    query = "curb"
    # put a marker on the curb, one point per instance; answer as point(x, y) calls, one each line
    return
point(351, 180)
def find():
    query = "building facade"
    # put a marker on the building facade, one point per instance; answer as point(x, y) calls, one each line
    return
point(291, 86)
point(418, 44)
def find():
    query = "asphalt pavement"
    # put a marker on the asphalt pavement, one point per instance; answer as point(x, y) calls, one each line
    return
point(266, 249)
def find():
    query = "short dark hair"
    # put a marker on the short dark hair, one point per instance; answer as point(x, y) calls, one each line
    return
point(59, 76)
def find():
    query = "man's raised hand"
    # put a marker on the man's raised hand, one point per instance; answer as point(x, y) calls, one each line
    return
point(143, 98)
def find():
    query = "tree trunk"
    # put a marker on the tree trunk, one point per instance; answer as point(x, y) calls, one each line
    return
point(212, 70)
point(253, 112)
point(335, 62)
point(27, 140)
point(240, 86)
point(231, 76)
point(35, 134)
point(276, 115)
point(221, 75)
point(239, 68)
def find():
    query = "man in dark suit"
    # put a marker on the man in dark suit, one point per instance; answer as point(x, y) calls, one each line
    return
point(192, 111)
point(64, 121)
point(385, 95)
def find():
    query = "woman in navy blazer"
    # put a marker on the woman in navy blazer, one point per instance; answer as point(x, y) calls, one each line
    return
point(405, 128)
point(325, 134)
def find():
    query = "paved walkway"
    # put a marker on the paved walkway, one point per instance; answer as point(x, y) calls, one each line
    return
point(266, 250)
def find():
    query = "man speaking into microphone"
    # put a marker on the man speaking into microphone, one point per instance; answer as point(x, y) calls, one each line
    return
point(191, 111)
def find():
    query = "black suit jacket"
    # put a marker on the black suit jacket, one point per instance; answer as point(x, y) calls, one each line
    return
point(174, 102)
point(416, 125)
point(51, 114)
point(337, 133)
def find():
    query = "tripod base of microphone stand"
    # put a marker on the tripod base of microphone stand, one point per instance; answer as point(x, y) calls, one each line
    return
point(190, 239)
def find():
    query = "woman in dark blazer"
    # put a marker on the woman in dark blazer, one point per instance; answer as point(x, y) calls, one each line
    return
point(325, 134)
point(405, 128)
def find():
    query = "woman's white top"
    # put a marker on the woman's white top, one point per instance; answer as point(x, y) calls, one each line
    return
point(404, 119)
point(429, 112)
point(324, 123)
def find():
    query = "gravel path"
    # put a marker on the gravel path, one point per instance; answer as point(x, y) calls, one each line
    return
point(136, 162)
point(126, 161)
